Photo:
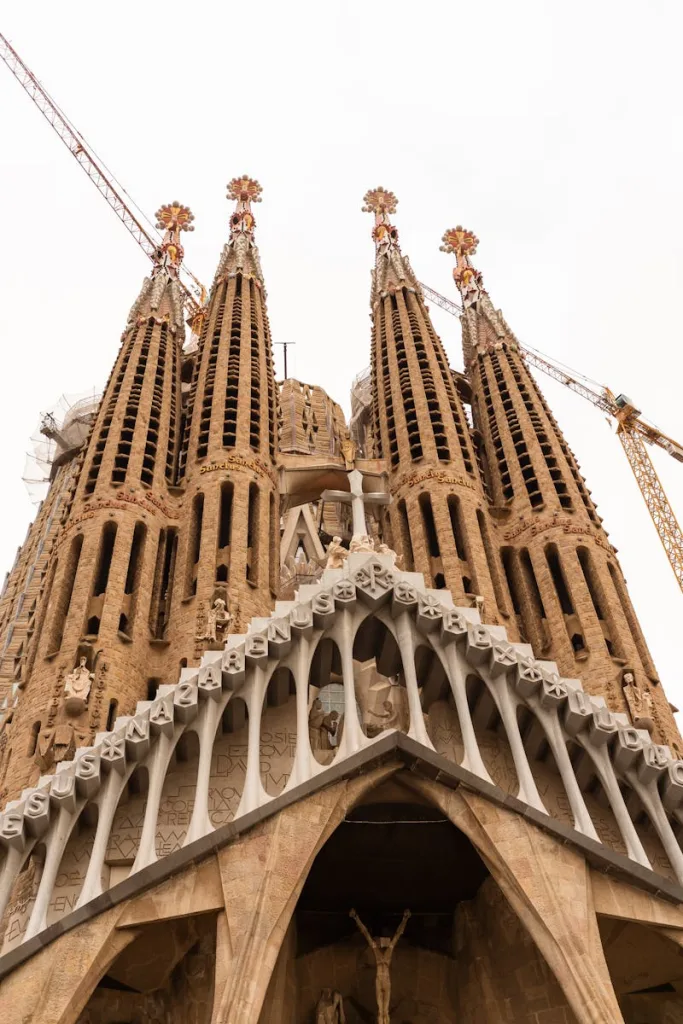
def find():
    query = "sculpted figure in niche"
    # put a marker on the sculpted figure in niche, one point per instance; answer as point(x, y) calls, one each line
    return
point(639, 702)
point(330, 1008)
point(322, 727)
point(389, 718)
point(77, 687)
point(383, 950)
point(336, 554)
point(218, 620)
point(348, 449)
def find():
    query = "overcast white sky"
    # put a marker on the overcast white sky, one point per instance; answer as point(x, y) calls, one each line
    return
point(552, 130)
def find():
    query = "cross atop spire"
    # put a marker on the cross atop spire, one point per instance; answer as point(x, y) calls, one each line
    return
point(463, 244)
point(172, 218)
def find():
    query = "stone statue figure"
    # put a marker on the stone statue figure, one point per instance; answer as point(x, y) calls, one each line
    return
point(330, 1008)
point(361, 542)
point(218, 619)
point(77, 687)
point(383, 950)
point(322, 727)
point(639, 702)
point(384, 549)
point(348, 449)
point(336, 554)
point(390, 718)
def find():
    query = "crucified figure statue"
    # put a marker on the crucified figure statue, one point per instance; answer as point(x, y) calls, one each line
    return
point(383, 950)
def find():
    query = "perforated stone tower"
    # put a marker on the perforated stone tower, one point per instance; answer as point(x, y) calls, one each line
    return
point(566, 590)
point(310, 727)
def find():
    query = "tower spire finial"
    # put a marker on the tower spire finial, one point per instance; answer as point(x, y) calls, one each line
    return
point(244, 191)
point(172, 218)
point(468, 279)
point(382, 203)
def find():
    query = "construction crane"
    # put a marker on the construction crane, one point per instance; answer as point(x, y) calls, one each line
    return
point(633, 432)
point(194, 292)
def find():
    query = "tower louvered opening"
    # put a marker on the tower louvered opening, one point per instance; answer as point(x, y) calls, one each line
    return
point(130, 416)
point(521, 450)
point(106, 423)
point(543, 440)
point(405, 383)
point(233, 373)
point(494, 433)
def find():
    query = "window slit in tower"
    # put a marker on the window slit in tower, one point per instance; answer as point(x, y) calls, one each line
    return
point(162, 591)
point(105, 427)
point(67, 589)
point(274, 545)
point(433, 405)
point(123, 451)
point(383, 369)
point(194, 545)
point(224, 532)
point(528, 474)
point(564, 597)
point(431, 535)
point(150, 453)
point(101, 579)
point(127, 616)
point(184, 434)
point(209, 382)
point(404, 529)
point(456, 525)
point(508, 559)
point(233, 377)
point(453, 399)
point(632, 620)
point(255, 410)
point(599, 604)
point(532, 582)
point(492, 562)
point(174, 432)
point(253, 534)
point(499, 451)
point(405, 385)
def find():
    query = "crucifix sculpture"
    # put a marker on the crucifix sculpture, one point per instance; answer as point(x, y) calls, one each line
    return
point(357, 499)
point(383, 950)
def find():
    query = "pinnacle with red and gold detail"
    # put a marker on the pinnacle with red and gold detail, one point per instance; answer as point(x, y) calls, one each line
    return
point(382, 203)
point(244, 191)
point(172, 218)
point(468, 279)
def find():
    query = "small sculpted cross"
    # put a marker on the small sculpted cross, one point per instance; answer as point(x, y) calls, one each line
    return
point(357, 499)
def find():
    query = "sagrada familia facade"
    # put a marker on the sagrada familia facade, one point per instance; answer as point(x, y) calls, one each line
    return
point(303, 721)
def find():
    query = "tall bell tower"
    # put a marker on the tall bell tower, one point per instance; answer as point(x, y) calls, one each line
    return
point(438, 515)
point(565, 584)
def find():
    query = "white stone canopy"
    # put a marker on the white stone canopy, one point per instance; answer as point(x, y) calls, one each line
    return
point(536, 712)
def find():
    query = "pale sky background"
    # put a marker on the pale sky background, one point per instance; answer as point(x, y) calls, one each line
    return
point(554, 131)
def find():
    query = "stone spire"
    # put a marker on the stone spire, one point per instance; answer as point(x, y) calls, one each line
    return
point(420, 428)
point(228, 543)
point(163, 281)
point(564, 584)
point(96, 646)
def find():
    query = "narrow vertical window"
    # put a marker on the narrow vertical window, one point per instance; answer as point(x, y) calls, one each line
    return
point(562, 590)
point(514, 587)
point(253, 534)
point(194, 545)
point(224, 532)
point(33, 739)
point(130, 591)
point(274, 544)
point(162, 590)
point(66, 592)
point(101, 579)
point(111, 714)
point(404, 529)
point(632, 620)
point(456, 525)
point(431, 536)
point(493, 563)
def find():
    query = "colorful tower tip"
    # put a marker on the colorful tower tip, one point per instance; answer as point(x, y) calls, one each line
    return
point(379, 201)
point(174, 217)
point(245, 190)
point(459, 241)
